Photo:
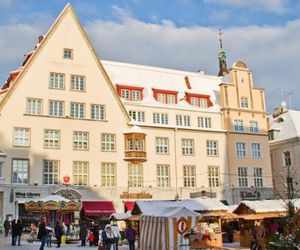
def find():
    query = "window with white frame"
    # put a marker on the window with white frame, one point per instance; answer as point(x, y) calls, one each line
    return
point(258, 177)
point(187, 146)
point(240, 149)
point(34, 106)
point(189, 176)
point(243, 176)
point(125, 93)
point(80, 173)
point(183, 120)
point(138, 116)
point(77, 110)
point(238, 125)
point(108, 174)
point(162, 98)
point(68, 54)
point(213, 176)
point(204, 122)
point(56, 108)
point(97, 112)
point(195, 101)
point(287, 160)
point(160, 118)
point(135, 175)
point(203, 103)
point(108, 142)
point(77, 83)
point(256, 150)
point(166, 98)
point(162, 145)
point(171, 99)
point(50, 172)
point(212, 148)
point(56, 81)
point(244, 102)
point(163, 175)
point(1, 169)
point(51, 138)
point(20, 173)
point(80, 140)
point(134, 144)
point(253, 126)
point(136, 95)
point(22, 137)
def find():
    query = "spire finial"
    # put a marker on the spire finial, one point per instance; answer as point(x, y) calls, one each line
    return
point(222, 57)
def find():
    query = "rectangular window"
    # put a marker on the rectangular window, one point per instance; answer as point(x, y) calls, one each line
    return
point(204, 122)
point(243, 176)
point(80, 140)
point(160, 118)
point(287, 160)
point(163, 175)
point(97, 112)
point(253, 127)
point(187, 146)
point(108, 142)
point(134, 144)
point(136, 95)
point(183, 120)
point(20, 171)
point(238, 125)
point(212, 148)
point(1, 169)
point(80, 173)
point(241, 149)
point(162, 98)
point(256, 150)
point(77, 110)
point(68, 54)
point(56, 81)
point(77, 83)
point(108, 174)
point(203, 102)
point(51, 172)
point(162, 145)
point(258, 177)
point(213, 176)
point(51, 138)
point(135, 175)
point(244, 102)
point(171, 99)
point(138, 116)
point(125, 93)
point(34, 106)
point(22, 137)
point(56, 108)
point(195, 101)
point(189, 176)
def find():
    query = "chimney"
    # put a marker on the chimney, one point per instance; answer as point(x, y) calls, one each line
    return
point(187, 82)
point(41, 38)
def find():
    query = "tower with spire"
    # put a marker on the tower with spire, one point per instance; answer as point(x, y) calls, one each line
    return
point(222, 57)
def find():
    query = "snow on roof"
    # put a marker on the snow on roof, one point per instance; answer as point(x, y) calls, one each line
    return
point(287, 123)
point(170, 212)
point(197, 204)
point(167, 79)
point(135, 129)
point(121, 216)
point(53, 197)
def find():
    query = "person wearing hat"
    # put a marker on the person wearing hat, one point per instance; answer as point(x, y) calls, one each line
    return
point(108, 237)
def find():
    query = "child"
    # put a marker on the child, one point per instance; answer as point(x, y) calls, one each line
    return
point(91, 239)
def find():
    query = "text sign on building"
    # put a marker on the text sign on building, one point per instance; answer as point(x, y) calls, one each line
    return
point(141, 195)
point(27, 195)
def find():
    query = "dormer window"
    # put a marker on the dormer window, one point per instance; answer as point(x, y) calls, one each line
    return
point(165, 96)
point(131, 93)
point(198, 100)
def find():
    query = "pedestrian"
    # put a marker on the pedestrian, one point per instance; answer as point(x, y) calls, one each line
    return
point(130, 236)
point(83, 233)
point(42, 234)
point(49, 235)
point(91, 238)
point(107, 237)
point(6, 226)
point(116, 233)
point(96, 234)
point(19, 231)
point(58, 233)
point(13, 232)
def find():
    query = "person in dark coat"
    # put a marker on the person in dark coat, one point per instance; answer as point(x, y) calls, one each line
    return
point(95, 231)
point(19, 231)
point(130, 236)
point(58, 233)
point(42, 234)
point(6, 226)
point(13, 232)
point(83, 233)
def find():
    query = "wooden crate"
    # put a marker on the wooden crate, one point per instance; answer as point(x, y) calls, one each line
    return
point(214, 243)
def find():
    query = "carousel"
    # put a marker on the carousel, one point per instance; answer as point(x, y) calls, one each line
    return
point(55, 208)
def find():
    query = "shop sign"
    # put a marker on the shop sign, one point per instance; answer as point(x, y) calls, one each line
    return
point(140, 195)
point(27, 195)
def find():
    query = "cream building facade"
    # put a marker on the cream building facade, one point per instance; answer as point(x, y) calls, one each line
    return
point(118, 132)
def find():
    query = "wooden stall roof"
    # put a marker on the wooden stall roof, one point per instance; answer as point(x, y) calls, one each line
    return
point(260, 216)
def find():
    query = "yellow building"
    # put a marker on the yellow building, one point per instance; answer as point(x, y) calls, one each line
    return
point(118, 132)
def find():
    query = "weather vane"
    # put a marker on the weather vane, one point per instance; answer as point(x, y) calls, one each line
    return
point(220, 38)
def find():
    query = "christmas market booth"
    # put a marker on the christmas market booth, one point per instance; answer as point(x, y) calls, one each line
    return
point(261, 218)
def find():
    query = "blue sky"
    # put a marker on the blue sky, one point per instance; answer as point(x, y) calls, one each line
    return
point(181, 34)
